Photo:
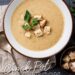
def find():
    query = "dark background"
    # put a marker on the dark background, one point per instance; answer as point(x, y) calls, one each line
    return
point(58, 70)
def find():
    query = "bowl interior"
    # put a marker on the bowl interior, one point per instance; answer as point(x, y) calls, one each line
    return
point(46, 53)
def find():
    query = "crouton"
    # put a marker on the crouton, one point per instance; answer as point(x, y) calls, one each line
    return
point(66, 59)
point(27, 34)
point(72, 55)
point(43, 23)
point(47, 29)
point(72, 66)
point(66, 66)
point(39, 17)
point(38, 32)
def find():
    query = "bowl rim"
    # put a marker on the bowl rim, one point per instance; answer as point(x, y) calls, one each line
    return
point(29, 55)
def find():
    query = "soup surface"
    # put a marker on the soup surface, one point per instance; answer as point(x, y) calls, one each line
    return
point(50, 12)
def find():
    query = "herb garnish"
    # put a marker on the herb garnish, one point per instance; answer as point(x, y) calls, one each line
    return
point(35, 21)
point(27, 16)
point(27, 27)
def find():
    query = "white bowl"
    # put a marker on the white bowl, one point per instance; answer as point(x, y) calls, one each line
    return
point(39, 54)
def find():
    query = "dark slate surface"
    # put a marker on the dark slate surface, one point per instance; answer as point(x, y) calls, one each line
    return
point(4, 2)
point(57, 70)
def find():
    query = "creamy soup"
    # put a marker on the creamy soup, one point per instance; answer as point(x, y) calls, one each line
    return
point(50, 12)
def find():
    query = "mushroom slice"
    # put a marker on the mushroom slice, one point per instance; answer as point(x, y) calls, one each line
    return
point(27, 34)
point(43, 23)
point(47, 29)
point(39, 17)
point(66, 66)
point(72, 66)
point(38, 32)
point(72, 55)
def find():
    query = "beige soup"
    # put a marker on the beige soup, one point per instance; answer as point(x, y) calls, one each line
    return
point(50, 12)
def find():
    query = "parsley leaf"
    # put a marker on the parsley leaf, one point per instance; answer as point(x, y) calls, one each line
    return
point(27, 16)
point(27, 27)
point(35, 21)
